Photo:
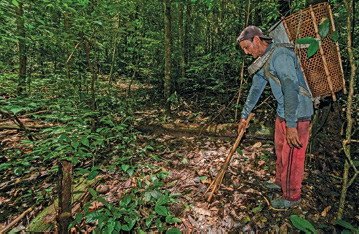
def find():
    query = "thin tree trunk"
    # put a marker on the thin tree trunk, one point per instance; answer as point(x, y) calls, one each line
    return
point(187, 38)
point(94, 76)
point(182, 63)
point(22, 48)
point(67, 30)
point(346, 143)
point(114, 52)
point(64, 193)
point(248, 13)
point(167, 81)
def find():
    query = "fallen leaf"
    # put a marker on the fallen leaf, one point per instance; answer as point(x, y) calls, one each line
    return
point(260, 163)
point(326, 210)
point(202, 211)
point(102, 189)
point(48, 218)
point(257, 145)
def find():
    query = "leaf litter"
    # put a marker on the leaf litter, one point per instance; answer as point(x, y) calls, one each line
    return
point(192, 162)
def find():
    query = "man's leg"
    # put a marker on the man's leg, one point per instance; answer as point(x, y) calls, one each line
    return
point(279, 140)
point(291, 163)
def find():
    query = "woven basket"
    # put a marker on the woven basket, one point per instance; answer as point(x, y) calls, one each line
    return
point(323, 71)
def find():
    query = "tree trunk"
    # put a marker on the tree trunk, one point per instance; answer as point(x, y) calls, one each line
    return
point(22, 48)
point(167, 81)
point(114, 52)
point(67, 30)
point(94, 76)
point(182, 63)
point(64, 193)
point(187, 36)
point(346, 143)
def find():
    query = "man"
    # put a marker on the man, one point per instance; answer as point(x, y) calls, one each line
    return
point(280, 67)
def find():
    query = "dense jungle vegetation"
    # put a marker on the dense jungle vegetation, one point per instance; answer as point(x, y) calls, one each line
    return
point(116, 115)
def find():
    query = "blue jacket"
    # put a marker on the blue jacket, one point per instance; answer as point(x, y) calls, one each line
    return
point(292, 105)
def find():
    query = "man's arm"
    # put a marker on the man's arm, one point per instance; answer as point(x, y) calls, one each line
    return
point(258, 85)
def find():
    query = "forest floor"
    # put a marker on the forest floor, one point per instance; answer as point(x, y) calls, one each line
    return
point(192, 160)
point(242, 202)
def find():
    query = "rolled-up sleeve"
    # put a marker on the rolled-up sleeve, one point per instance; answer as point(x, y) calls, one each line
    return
point(258, 85)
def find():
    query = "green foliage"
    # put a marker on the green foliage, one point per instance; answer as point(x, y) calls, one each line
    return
point(334, 36)
point(124, 217)
point(302, 224)
point(347, 226)
point(324, 27)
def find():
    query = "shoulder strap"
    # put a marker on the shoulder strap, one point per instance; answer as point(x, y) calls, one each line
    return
point(260, 61)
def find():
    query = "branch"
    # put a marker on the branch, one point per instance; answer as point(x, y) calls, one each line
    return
point(13, 223)
point(70, 56)
point(17, 121)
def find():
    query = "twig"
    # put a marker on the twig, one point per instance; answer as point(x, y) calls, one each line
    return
point(70, 56)
point(269, 205)
point(17, 121)
point(13, 223)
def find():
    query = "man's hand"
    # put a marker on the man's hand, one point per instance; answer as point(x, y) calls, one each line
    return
point(293, 138)
point(242, 125)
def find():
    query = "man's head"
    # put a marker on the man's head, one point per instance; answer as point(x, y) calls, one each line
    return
point(253, 41)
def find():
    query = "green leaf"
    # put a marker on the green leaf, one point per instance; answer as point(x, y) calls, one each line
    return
point(98, 22)
point(125, 167)
point(345, 224)
point(324, 27)
point(203, 178)
point(15, 3)
point(93, 175)
point(18, 171)
point(185, 161)
point(148, 222)
point(173, 231)
point(82, 171)
point(163, 200)
point(78, 217)
point(92, 192)
point(302, 224)
point(85, 141)
point(118, 226)
point(131, 221)
point(305, 40)
point(171, 219)
point(161, 210)
point(313, 48)
point(334, 36)
point(110, 226)
point(240, 152)
point(16, 110)
point(75, 144)
point(257, 209)
point(93, 216)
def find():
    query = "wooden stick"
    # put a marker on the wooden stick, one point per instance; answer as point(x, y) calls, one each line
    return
point(216, 183)
point(321, 50)
point(13, 223)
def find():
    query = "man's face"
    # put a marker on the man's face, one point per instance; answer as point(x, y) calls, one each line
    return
point(250, 47)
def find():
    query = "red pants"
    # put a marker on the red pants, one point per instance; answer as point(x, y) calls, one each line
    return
point(290, 161)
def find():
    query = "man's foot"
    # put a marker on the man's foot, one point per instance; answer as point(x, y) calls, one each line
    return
point(271, 185)
point(281, 203)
